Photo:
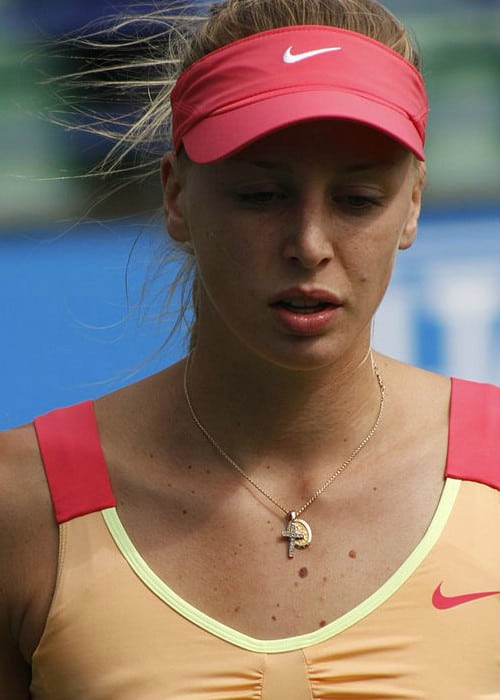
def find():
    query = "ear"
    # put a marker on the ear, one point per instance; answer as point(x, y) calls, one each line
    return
point(173, 182)
point(410, 230)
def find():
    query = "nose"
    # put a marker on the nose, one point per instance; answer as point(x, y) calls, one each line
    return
point(309, 239)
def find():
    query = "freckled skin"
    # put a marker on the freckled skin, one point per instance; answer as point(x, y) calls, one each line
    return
point(303, 572)
point(208, 210)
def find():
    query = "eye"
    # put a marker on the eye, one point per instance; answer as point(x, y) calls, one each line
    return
point(358, 202)
point(261, 197)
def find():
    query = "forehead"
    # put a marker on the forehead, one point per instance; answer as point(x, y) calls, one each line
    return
point(334, 139)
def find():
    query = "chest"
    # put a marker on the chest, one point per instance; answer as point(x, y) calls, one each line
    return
point(230, 558)
point(397, 644)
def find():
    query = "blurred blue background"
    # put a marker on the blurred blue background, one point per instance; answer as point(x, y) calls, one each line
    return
point(73, 326)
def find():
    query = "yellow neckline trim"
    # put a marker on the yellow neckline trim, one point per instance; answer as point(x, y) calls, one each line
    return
point(276, 646)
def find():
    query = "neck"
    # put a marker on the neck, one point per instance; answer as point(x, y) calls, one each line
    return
point(268, 415)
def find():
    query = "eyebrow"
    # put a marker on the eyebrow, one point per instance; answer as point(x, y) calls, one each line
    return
point(369, 166)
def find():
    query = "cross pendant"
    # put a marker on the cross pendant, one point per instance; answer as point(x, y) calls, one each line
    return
point(293, 534)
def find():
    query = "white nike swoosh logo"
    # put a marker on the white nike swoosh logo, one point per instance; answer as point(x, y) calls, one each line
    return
point(289, 57)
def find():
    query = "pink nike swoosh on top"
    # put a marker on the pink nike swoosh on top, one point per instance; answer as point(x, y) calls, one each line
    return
point(444, 602)
point(289, 57)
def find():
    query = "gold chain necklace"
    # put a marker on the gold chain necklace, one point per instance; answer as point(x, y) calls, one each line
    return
point(298, 531)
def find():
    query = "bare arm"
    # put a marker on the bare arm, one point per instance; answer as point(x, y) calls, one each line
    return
point(28, 558)
point(14, 672)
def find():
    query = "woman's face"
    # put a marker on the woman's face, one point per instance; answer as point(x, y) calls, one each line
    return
point(295, 239)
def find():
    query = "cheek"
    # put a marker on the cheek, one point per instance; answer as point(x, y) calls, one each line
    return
point(224, 266)
point(217, 253)
point(371, 264)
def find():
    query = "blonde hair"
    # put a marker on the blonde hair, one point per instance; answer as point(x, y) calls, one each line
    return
point(180, 34)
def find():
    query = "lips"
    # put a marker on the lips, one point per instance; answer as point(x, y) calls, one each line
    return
point(303, 306)
point(306, 312)
point(305, 300)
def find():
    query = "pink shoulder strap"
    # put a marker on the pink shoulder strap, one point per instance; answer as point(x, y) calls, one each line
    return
point(74, 461)
point(474, 439)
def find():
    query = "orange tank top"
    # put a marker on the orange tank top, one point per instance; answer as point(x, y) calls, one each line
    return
point(116, 631)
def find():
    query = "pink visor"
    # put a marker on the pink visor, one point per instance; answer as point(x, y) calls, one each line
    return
point(267, 81)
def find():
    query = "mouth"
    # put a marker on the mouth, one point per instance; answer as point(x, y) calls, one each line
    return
point(307, 302)
point(304, 307)
point(306, 312)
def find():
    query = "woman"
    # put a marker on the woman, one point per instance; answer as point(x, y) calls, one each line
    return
point(287, 513)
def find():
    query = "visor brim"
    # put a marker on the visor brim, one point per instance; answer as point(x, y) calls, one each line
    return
point(222, 135)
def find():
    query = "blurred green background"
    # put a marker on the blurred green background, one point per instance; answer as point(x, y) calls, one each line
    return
point(461, 47)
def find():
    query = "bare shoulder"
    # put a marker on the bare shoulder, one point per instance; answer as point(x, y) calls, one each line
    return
point(133, 418)
point(415, 382)
point(419, 399)
point(28, 555)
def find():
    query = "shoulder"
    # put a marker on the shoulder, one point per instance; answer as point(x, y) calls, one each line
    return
point(422, 387)
point(421, 398)
point(133, 420)
point(474, 446)
point(478, 394)
point(23, 489)
point(28, 537)
point(463, 414)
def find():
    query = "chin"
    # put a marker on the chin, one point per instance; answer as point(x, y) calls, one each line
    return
point(306, 354)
